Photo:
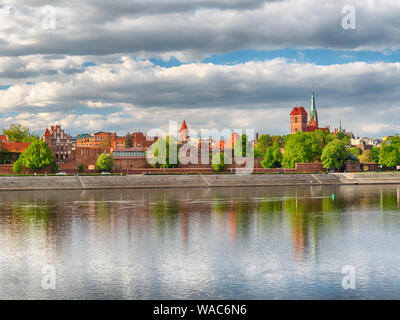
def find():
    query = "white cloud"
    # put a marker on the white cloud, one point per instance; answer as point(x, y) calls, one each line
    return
point(132, 95)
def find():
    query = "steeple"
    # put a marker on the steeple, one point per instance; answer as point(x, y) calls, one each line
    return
point(183, 132)
point(313, 110)
point(340, 125)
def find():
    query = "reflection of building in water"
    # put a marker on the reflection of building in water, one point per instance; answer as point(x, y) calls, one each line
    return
point(398, 197)
point(232, 221)
point(184, 223)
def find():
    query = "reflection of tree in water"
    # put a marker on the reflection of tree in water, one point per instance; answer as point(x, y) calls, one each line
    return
point(307, 217)
point(164, 213)
point(243, 211)
point(220, 205)
point(388, 200)
point(34, 212)
point(271, 212)
point(103, 209)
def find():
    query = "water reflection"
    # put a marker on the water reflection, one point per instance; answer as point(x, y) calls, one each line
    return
point(196, 243)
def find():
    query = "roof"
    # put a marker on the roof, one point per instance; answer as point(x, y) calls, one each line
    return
point(47, 132)
point(297, 111)
point(18, 147)
point(184, 126)
point(130, 149)
point(3, 138)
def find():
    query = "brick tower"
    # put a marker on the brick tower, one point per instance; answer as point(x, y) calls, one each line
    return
point(183, 132)
point(298, 120)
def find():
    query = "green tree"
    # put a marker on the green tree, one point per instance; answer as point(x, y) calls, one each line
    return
point(161, 152)
point(273, 156)
point(366, 156)
point(264, 141)
point(37, 156)
point(128, 141)
point(243, 147)
point(343, 137)
point(355, 151)
point(297, 149)
point(81, 168)
point(375, 154)
point(218, 162)
point(389, 155)
point(19, 133)
point(334, 155)
point(105, 162)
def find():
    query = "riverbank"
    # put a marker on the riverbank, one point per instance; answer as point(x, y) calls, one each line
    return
point(191, 181)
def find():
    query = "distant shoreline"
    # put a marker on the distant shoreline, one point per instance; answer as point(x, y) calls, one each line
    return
point(25, 183)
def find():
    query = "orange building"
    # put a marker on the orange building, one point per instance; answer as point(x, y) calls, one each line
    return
point(99, 139)
point(108, 139)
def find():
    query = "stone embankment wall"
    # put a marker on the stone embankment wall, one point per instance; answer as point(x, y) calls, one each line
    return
point(186, 181)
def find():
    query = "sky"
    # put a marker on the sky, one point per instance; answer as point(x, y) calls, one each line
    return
point(134, 65)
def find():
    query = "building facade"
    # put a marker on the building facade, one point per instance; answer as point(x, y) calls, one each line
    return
point(60, 143)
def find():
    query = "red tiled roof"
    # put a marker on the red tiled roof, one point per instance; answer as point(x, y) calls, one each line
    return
point(3, 138)
point(18, 147)
point(47, 132)
point(298, 111)
point(184, 126)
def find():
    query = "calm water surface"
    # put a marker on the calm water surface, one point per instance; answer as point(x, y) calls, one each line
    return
point(233, 243)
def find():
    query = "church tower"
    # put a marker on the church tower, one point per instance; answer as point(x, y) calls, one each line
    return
point(313, 112)
point(298, 120)
point(183, 132)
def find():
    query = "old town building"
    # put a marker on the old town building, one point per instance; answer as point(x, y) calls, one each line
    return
point(59, 142)
point(108, 139)
point(299, 119)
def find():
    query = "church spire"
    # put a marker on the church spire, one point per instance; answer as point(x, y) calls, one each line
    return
point(313, 109)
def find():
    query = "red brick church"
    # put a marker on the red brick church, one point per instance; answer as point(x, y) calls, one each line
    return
point(299, 119)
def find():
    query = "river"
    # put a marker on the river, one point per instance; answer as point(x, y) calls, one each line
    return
point(219, 243)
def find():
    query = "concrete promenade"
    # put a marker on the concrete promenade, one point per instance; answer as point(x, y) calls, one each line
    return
point(191, 181)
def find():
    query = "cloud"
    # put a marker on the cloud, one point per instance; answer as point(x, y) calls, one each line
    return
point(191, 30)
point(132, 94)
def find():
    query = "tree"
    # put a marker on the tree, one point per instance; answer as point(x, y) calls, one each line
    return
point(297, 149)
point(128, 141)
point(355, 151)
point(334, 155)
point(161, 152)
point(241, 146)
point(264, 141)
point(81, 168)
point(19, 133)
point(218, 162)
point(375, 154)
point(389, 155)
point(273, 156)
point(366, 156)
point(269, 161)
point(105, 162)
point(37, 156)
point(343, 137)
